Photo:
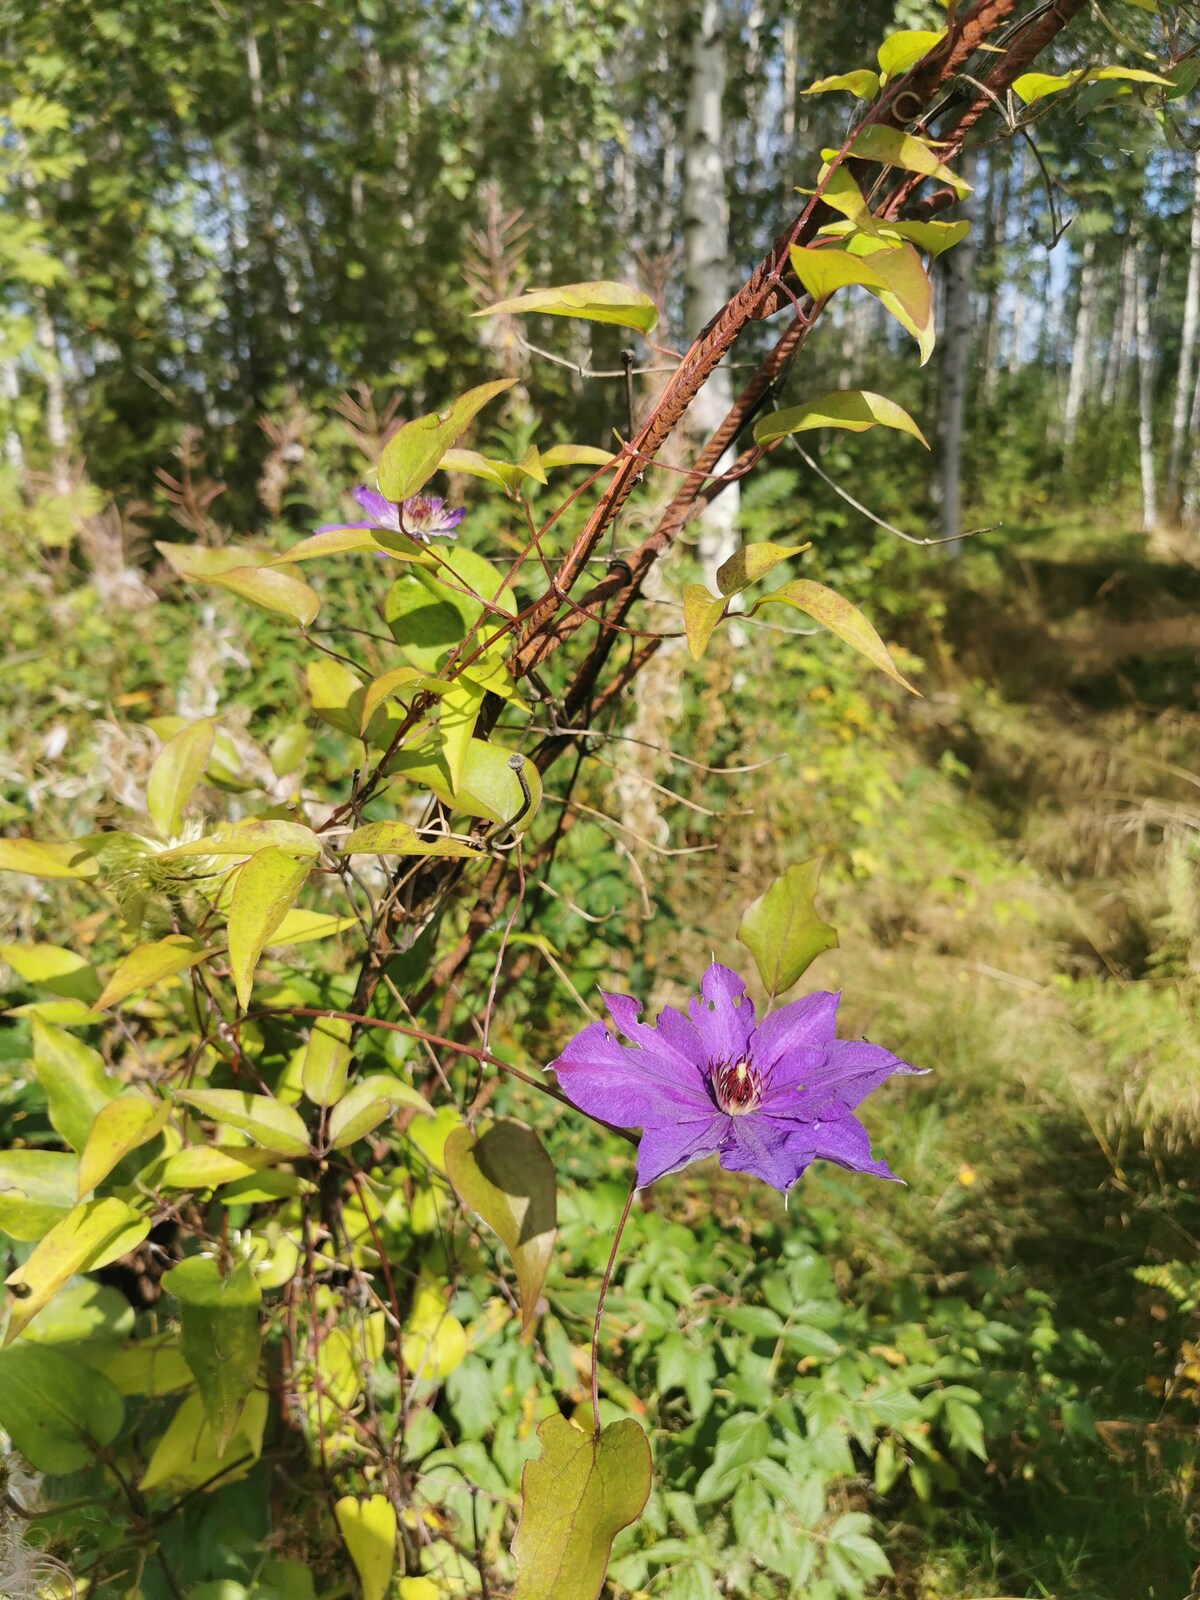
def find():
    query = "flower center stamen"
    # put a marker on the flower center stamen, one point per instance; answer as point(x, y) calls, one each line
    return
point(737, 1087)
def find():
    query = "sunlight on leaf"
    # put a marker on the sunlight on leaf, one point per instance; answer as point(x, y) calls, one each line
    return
point(592, 302)
point(782, 930)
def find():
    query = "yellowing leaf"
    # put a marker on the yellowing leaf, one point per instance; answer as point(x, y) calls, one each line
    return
point(752, 562)
point(246, 838)
point(1031, 86)
point(864, 85)
point(489, 786)
point(152, 1366)
point(399, 839)
point(613, 303)
point(367, 1104)
point(149, 964)
point(187, 1453)
point(41, 860)
point(575, 1498)
point(931, 237)
point(821, 271)
point(272, 589)
point(268, 1121)
point(340, 541)
point(908, 295)
point(55, 968)
point(840, 617)
point(368, 1529)
point(177, 770)
point(576, 455)
point(896, 149)
point(326, 1059)
point(899, 51)
point(298, 927)
point(411, 456)
point(507, 1179)
point(73, 1080)
point(460, 711)
point(430, 1136)
point(90, 1235)
point(403, 682)
point(209, 1166)
point(434, 1342)
point(853, 409)
point(701, 613)
point(122, 1126)
point(782, 930)
point(37, 1190)
point(262, 897)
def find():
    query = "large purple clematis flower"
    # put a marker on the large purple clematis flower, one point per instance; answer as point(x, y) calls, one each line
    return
point(770, 1098)
point(421, 516)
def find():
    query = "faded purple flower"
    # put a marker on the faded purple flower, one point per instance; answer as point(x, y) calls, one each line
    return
point(769, 1098)
point(421, 516)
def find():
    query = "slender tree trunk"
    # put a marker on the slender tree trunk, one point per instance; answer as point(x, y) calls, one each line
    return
point(14, 450)
point(1126, 334)
point(1081, 346)
point(1187, 354)
point(994, 244)
point(1145, 365)
point(1190, 515)
point(706, 254)
point(955, 374)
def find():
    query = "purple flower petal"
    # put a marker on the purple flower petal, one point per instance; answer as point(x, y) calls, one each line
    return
point(758, 1146)
point(666, 1149)
point(629, 1088)
point(673, 1035)
point(851, 1070)
point(724, 1018)
point(382, 512)
point(846, 1141)
point(802, 1023)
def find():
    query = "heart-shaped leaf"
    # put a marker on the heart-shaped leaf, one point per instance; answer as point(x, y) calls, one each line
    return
point(782, 930)
point(368, 1529)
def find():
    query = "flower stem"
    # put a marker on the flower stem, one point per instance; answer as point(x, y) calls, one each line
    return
point(604, 1283)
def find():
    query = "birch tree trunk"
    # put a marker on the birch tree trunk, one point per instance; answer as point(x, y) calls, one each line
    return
point(994, 243)
point(1081, 347)
point(14, 450)
point(706, 256)
point(1145, 366)
point(1187, 354)
point(955, 373)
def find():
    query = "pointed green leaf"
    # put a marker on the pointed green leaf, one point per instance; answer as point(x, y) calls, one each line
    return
point(701, 613)
point(268, 1121)
point(931, 237)
point(908, 294)
point(55, 1408)
point(899, 51)
point(262, 897)
point(575, 1498)
point(507, 1179)
point(149, 964)
point(401, 682)
point(336, 694)
point(411, 456)
point(210, 1166)
point(201, 563)
point(52, 967)
point(752, 562)
point(221, 1339)
point(326, 1059)
point(489, 786)
point(502, 473)
point(122, 1126)
point(186, 1454)
point(896, 149)
point(247, 838)
point(456, 725)
point(342, 541)
point(368, 1103)
point(177, 770)
point(368, 1530)
point(576, 455)
point(840, 617)
point(853, 409)
point(864, 85)
point(272, 589)
point(782, 930)
point(298, 927)
point(1031, 86)
point(37, 1190)
point(90, 1235)
point(821, 271)
point(73, 1080)
point(41, 860)
point(613, 303)
point(399, 839)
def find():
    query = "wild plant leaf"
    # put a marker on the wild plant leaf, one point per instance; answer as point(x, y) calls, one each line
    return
point(37, 1190)
point(460, 707)
point(262, 896)
point(863, 84)
point(55, 1408)
point(413, 453)
point(701, 613)
point(782, 930)
point(576, 455)
point(400, 839)
point(89, 1236)
point(220, 1336)
point(489, 786)
point(40, 859)
point(856, 410)
point(368, 1530)
point(367, 1104)
point(186, 1454)
point(149, 964)
point(272, 588)
point(73, 1080)
point(821, 271)
point(268, 1121)
point(907, 294)
point(931, 237)
point(899, 51)
point(246, 838)
point(53, 967)
point(326, 1060)
point(177, 770)
point(435, 1341)
point(211, 1166)
point(905, 150)
point(1033, 86)
point(507, 1179)
point(612, 303)
point(122, 1126)
point(299, 927)
point(837, 614)
point(575, 1498)
point(392, 684)
point(752, 562)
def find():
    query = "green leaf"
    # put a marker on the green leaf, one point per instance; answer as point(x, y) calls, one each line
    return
point(864, 84)
point(326, 1060)
point(262, 896)
point(299, 927)
point(187, 1452)
point(411, 456)
point(177, 770)
point(431, 615)
point(336, 694)
point(399, 839)
point(52, 967)
point(73, 1080)
point(576, 455)
point(502, 473)
point(853, 409)
point(55, 1408)
point(221, 1339)
point(1031, 86)
point(368, 1530)
point(839, 616)
point(367, 1104)
point(752, 562)
point(575, 1498)
point(391, 684)
point(908, 295)
point(931, 237)
point(84, 1313)
point(149, 964)
point(208, 1166)
point(268, 1121)
point(342, 541)
point(246, 838)
point(91, 1235)
point(899, 51)
point(507, 1179)
point(36, 859)
point(37, 1190)
point(701, 613)
point(613, 303)
point(152, 1366)
point(122, 1126)
point(456, 725)
point(272, 589)
point(782, 930)
point(821, 271)
point(896, 149)
point(489, 786)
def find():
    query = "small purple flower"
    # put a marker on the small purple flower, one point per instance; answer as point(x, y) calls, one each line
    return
point(421, 516)
point(770, 1098)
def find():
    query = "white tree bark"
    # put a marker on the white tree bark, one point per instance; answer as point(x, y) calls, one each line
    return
point(706, 257)
point(1145, 367)
point(1187, 352)
point(955, 374)
point(14, 450)
point(1081, 346)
